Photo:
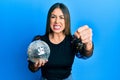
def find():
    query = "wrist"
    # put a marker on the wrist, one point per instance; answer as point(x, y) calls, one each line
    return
point(88, 46)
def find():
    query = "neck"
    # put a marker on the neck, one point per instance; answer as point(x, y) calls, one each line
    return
point(56, 38)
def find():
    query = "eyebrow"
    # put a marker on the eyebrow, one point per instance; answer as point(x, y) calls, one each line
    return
point(55, 15)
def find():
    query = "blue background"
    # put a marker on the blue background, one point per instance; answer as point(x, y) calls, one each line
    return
point(20, 20)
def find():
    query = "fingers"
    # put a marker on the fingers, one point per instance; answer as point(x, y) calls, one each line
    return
point(82, 28)
point(79, 31)
point(40, 62)
point(84, 33)
point(77, 34)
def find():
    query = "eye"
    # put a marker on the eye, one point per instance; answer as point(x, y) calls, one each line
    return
point(53, 16)
point(62, 17)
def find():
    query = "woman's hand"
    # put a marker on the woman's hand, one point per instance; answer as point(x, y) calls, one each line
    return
point(84, 33)
point(40, 62)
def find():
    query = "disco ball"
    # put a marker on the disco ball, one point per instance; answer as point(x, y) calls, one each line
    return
point(38, 49)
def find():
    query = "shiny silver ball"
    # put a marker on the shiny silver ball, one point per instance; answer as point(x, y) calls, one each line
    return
point(38, 49)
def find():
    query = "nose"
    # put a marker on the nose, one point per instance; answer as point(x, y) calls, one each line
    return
point(57, 20)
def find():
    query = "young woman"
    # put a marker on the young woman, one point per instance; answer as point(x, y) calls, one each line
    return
point(62, 45)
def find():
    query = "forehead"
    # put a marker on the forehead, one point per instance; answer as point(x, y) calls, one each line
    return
point(57, 11)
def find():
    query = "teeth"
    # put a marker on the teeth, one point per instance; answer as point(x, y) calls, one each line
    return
point(56, 27)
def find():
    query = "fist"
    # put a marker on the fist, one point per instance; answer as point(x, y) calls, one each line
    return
point(84, 33)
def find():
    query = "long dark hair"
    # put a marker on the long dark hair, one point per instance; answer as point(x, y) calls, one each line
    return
point(66, 15)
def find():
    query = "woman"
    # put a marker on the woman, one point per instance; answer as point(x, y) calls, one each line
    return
point(62, 45)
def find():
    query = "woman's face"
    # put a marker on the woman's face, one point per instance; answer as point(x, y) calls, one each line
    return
point(57, 21)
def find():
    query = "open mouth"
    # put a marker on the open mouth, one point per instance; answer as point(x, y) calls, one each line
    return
point(56, 27)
